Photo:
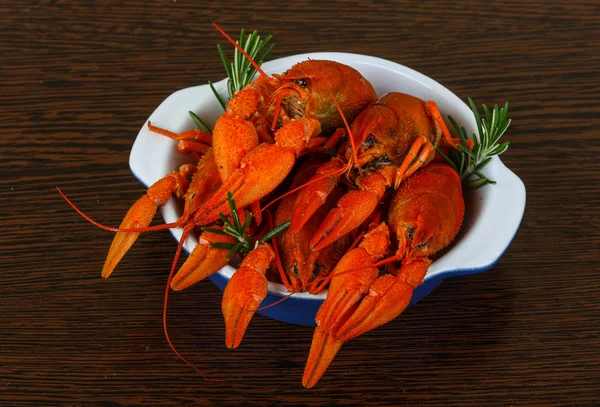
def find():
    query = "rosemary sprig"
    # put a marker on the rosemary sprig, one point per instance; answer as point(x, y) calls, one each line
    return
point(201, 125)
point(240, 72)
point(274, 232)
point(468, 163)
point(234, 228)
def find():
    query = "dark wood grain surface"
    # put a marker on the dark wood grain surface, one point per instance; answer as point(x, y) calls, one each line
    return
point(79, 78)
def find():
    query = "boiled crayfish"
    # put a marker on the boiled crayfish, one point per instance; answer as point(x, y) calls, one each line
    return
point(425, 215)
point(266, 128)
point(394, 137)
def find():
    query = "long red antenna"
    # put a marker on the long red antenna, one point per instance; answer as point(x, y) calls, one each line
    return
point(180, 222)
point(340, 171)
point(336, 172)
point(235, 44)
point(184, 236)
point(354, 153)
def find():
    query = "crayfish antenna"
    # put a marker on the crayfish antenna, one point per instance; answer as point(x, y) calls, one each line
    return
point(239, 48)
point(180, 222)
point(184, 236)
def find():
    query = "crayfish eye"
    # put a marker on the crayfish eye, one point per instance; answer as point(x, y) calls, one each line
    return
point(316, 269)
point(302, 82)
point(369, 141)
point(410, 233)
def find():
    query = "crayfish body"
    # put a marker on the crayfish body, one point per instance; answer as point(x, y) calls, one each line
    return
point(395, 137)
point(425, 215)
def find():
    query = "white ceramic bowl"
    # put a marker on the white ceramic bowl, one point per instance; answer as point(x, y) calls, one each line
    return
point(493, 215)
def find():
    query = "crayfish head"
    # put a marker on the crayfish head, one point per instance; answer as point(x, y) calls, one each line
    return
point(388, 128)
point(427, 211)
point(315, 82)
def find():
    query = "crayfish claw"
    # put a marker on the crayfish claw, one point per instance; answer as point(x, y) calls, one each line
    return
point(350, 281)
point(140, 216)
point(315, 193)
point(204, 261)
point(351, 210)
point(388, 297)
point(323, 349)
point(244, 292)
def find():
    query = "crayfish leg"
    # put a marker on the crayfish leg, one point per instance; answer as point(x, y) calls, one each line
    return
point(420, 154)
point(352, 209)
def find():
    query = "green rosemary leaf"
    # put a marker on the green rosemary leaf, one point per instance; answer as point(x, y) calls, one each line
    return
point(478, 183)
point(501, 148)
point(199, 122)
point(274, 232)
point(221, 102)
point(481, 165)
point(232, 231)
point(450, 161)
point(491, 126)
point(247, 221)
point(240, 71)
point(225, 220)
point(235, 74)
point(477, 117)
point(480, 175)
point(234, 250)
point(222, 245)
point(234, 214)
point(225, 61)
point(247, 46)
point(466, 150)
point(213, 230)
point(266, 51)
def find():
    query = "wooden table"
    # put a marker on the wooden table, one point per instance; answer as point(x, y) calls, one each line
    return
point(79, 79)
